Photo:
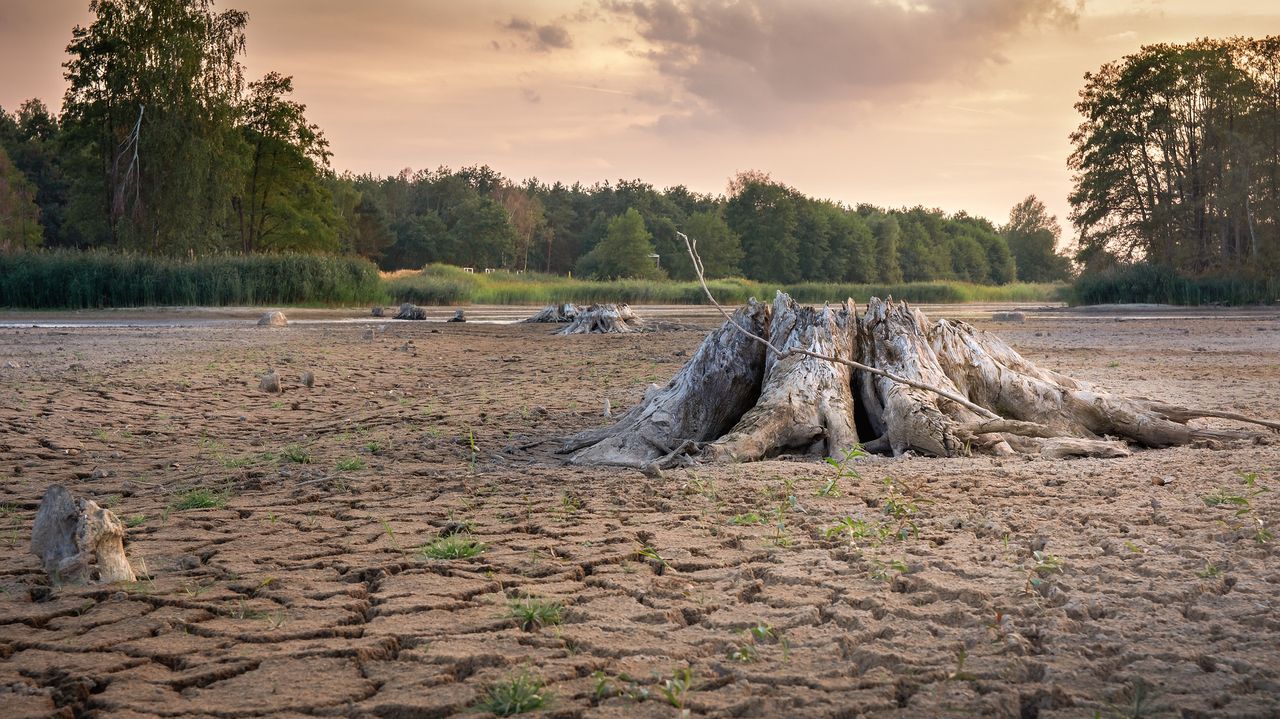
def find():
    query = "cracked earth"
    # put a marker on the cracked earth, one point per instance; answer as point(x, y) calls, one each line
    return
point(1137, 586)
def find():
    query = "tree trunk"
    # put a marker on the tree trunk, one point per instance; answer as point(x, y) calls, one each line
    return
point(554, 314)
point(737, 400)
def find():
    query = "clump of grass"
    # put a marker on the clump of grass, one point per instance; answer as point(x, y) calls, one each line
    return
point(201, 499)
point(350, 464)
point(134, 520)
point(454, 546)
point(517, 694)
point(297, 453)
point(533, 613)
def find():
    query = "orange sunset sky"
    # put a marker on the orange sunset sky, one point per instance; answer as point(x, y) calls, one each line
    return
point(958, 104)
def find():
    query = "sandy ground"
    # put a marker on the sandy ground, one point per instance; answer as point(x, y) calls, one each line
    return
point(1026, 588)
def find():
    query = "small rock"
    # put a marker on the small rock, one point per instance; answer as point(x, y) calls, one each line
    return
point(379, 312)
point(273, 319)
point(188, 561)
point(12, 364)
point(458, 316)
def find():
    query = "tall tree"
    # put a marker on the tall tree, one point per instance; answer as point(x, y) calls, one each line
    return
point(623, 252)
point(154, 93)
point(20, 226)
point(1032, 235)
point(284, 203)
point(719, 249)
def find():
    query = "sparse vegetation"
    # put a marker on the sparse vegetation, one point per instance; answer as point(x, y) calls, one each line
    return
point(454, 546)
point(533, 613)
point(522, 692)
point(201, 499)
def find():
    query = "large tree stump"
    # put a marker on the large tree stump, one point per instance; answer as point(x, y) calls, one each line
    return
point(603, 319)
point(738, 400)
point(410, 311)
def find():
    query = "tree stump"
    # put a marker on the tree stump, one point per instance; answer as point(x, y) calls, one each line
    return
point(410, 311)
point(603, 319)
point(555, 314)
point(737, 400)
point(79, 542)
point(458, 316)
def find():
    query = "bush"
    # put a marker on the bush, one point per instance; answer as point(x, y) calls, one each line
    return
point(69, 279)
point(1154, 284)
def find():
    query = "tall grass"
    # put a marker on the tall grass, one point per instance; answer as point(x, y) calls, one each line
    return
point(1161, 285)
point(446, 285)
point(68, 279)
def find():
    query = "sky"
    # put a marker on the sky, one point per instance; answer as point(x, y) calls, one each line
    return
point(956, 104)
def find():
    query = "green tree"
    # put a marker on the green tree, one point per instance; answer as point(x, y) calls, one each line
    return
point(623, 252)
point(1032, 235)
point(483, 235)
point(763, 213)
point(149, 118)
point(888, 234)
point(20, 226)
point(284, 203)
point(718, 247)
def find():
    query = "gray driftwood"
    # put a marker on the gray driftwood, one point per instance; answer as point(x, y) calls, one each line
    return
point(555, 314)
point(888, 378)
point(79, 542)
point(603, 319)
point(410, 311)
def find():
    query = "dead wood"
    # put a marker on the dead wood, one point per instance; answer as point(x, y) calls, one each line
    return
point(79, 542)
point(603, 319)
point(555, 314)
point(410, 311)
point(827, 379)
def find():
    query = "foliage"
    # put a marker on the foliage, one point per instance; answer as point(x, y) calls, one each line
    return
point(20, 226)
point(82, 280)
point(445, 285)
point(624, 252)
point(1150, 283)
point(522, 692)
point(532, 613)
point(1032, 236)
point(453, 546)
point(1177, 161)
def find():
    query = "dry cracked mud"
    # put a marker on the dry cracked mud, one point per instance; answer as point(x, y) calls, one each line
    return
point(962, 587)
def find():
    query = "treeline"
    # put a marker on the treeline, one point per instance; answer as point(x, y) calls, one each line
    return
point(163, 146)
point(1177, 162)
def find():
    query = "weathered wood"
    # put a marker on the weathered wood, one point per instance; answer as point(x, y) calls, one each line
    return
point(410, 311)
point(79, 542)
point(805, 404)
point(939, 388)
point(555, 314)
point(603, 319)
point(706, 397)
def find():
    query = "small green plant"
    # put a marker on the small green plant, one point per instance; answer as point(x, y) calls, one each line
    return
point(201, 499)
point(881, 571)
point(297, 454)
point(517, 694)
point(959, 674)
point(703, 486)
point(350, 464)
point(374, 447)
point(855, 528)
point(841, 469)
point(744, 653)
point(903, 506)
point(655, 560)
point(134, 520)
point(475, 452)
point(571, 503)
point(676, 689)
point(747, 518)
point(1138, 701)
point(1210, 571)
point(454, 546)
point(532, 613)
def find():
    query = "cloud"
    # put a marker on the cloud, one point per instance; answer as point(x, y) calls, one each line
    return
point(542, 38)
point(751, 58)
